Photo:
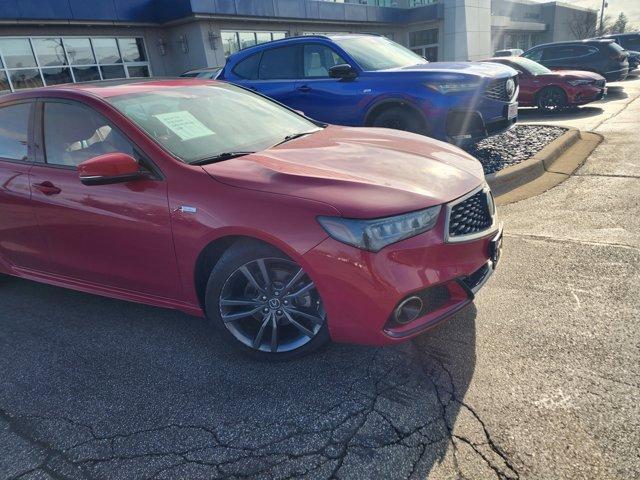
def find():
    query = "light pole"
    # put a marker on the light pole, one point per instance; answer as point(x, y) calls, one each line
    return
point(604, 5)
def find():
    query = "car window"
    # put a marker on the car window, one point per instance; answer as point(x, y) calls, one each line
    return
point(279, 63)
point(248, 68)
point(318, 59)
point(74, 133)
point(14, 131)
point(527, 65)
point(196, 123)
point(535, 55)
point(189, 75)
point(554, 53)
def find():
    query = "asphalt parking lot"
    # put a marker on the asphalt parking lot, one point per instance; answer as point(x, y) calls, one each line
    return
point(538, 380)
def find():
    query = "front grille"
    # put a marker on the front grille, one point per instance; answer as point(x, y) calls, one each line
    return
point(470, 216)
point(497, 89)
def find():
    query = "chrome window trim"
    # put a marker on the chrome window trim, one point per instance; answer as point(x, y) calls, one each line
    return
point(472, 236)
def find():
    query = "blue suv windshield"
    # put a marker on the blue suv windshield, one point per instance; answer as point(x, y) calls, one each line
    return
point(378, 53)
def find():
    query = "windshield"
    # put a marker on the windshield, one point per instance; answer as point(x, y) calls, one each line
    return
point(195, 123)
point(534, 68)
point(378, 53)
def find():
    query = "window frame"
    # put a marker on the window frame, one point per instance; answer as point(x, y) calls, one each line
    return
point(31, 158)
point(154, 172)
point(71, 66)
point(236, 33)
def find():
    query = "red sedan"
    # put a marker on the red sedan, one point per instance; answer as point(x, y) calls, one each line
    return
point(553, 90)
point(207, 198)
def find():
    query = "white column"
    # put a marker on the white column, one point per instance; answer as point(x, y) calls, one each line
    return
point(467, 30)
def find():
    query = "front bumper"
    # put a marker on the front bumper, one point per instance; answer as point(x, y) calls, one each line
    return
point(361, 290)
point(466, 118)
point(587, 94)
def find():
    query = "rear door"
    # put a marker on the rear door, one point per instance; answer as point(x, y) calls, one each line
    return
point(570, 57)
point(21, 242)
point(116, 235)
point(272, 72)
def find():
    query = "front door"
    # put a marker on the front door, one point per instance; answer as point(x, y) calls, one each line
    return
point(323, 98)
point(21, 242)
point(116, 235)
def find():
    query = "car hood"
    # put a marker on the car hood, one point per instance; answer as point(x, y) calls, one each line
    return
point(570, 74)
point(480, 69)
point(362, 172)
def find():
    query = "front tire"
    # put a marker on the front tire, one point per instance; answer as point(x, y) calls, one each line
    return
point(264, 303)
point(551, 99)
point(399, 118)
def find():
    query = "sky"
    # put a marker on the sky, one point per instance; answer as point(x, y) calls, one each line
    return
point(631, 8)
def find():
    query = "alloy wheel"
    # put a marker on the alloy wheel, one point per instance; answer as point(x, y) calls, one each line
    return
point(271, 305)
point(552, 100)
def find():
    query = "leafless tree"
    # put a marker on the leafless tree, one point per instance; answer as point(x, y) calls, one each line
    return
point(582, 25)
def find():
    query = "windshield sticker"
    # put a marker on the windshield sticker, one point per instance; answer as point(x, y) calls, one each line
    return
point(184, 125)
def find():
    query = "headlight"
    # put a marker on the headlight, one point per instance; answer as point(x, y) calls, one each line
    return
point(374, 235)
point(453, 87)
point(575, 83)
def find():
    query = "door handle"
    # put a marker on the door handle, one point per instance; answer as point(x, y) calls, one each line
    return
point(47, 188)
point(304, 88)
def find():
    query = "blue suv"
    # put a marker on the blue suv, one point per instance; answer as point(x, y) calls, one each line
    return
point(368, 80)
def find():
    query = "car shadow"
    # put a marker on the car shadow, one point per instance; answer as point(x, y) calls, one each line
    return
point(533, 114)
point(615, 92)
point(101, 382)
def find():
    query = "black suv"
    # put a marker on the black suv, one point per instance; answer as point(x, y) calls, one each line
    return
point(605, 57)
point(628, 41)
point(631, 43)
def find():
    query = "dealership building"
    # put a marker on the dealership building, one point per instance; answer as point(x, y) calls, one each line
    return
point(59, 41)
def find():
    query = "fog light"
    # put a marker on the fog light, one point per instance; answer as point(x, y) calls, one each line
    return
point(408, 310)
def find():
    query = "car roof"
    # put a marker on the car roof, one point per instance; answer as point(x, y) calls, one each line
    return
point(615, 35)
point(296, 39)
point(589, 41)
point(112, 88)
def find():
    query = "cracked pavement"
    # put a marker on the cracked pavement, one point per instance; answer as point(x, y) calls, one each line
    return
point(538, 380)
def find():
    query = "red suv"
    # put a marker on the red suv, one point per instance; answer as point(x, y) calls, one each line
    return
point(204, 197)
point(553, 90)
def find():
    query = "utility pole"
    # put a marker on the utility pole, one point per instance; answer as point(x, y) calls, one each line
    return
point(604, 5)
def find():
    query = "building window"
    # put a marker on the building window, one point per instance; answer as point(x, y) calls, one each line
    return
point(29, 62)
point(233, 42)
point(425, 43)
point(522, 40)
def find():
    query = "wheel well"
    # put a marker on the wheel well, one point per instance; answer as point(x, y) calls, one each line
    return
point(208, 259)
point(384, 106)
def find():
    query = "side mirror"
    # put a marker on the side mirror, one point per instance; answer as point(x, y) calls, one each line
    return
point(109, 168)
point(343, 72)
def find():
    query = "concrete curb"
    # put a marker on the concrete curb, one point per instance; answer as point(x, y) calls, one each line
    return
point(549, 167)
